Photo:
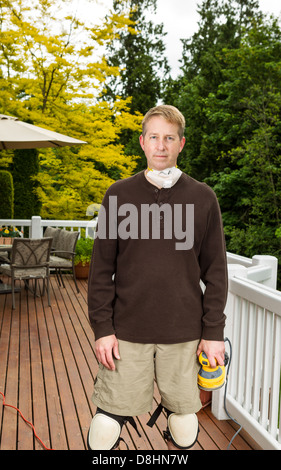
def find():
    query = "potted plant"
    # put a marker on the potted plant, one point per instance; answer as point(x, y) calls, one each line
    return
point(7, 234)
point(83, 254)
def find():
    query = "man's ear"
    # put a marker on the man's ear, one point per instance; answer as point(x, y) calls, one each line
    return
point(142, 141)
point(182, 143)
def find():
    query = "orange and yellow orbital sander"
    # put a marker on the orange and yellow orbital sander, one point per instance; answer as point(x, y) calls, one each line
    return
point(211, 378)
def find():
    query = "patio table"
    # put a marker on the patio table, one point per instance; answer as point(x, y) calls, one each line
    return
point(6, 288)
point(6, 248)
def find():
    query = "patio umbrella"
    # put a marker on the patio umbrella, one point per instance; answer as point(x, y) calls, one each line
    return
point(16, 134)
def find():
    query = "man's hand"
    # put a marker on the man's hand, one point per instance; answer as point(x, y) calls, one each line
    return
point(106, 348)
point(214, 350)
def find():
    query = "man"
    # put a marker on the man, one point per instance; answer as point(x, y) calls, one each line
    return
point(146, 306)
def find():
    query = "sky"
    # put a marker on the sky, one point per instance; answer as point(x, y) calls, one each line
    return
point(179, 17)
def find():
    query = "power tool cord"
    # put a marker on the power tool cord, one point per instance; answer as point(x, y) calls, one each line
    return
point(28, 422)
point(225, 389)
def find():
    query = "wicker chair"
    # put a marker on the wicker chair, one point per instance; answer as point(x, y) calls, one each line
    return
point(51, 232)
point(29, 260)
point(63, 252)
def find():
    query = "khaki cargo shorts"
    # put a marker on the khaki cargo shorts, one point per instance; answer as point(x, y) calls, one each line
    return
point(128, 391)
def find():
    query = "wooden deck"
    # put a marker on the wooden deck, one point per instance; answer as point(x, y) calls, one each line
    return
point(47, 370)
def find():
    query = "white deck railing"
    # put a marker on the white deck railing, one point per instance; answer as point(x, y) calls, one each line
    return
point(36, 225)
point(253, 326)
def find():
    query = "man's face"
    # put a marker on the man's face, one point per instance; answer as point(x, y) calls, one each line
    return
point(161, 143)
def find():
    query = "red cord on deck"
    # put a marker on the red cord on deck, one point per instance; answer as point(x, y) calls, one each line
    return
point(28, 422)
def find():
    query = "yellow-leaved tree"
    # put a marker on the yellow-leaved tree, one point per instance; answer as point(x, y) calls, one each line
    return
point(51, 75)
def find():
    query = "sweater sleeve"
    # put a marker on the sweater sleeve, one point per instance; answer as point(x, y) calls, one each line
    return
point(101, 285)
point(213, 266)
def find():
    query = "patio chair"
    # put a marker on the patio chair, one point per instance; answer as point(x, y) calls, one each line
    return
point(54, 234)
point(29, 260)
point(63, 252)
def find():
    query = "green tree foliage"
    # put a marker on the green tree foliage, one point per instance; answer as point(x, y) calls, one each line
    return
point(229, 90)
point(230, 93)
point(25, 167)
point(50, 74)
point(246, 114)
point(139, 53)
point(221, 25)
point(6, 195)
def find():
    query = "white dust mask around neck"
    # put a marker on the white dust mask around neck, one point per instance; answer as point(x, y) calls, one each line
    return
point(164, 178)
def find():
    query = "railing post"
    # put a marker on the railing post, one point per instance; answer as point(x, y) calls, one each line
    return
point(267, 260)
point(218, 395)
point(36, 229)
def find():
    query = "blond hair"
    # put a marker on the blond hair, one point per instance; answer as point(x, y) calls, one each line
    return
point(168, 112)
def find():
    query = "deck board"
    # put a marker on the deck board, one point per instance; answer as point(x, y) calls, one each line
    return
point(47, 370)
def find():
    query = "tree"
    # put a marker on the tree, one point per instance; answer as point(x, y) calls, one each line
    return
point(25, 168)
point(230, 94)
point(139, 53)
point(246, 113)
point(222, 25)
point(6, 195)
point(50, 75)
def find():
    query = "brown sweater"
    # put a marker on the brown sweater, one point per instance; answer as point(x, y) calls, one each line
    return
point(144, 289)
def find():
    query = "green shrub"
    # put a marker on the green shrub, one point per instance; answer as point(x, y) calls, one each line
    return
point(6, 195)
point(83, 252)
point(25, 167)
